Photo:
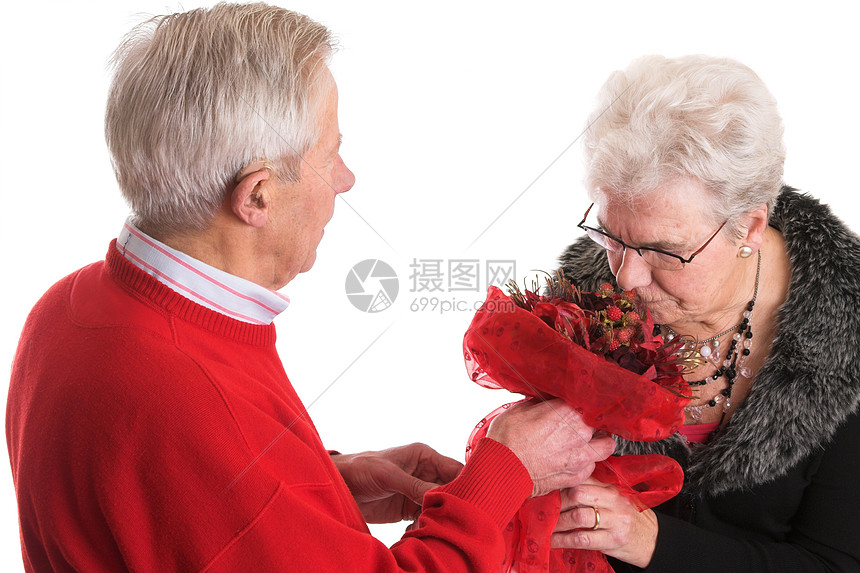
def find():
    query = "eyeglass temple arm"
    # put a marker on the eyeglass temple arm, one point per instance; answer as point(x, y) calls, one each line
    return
point(714, 236)
point(587, 211)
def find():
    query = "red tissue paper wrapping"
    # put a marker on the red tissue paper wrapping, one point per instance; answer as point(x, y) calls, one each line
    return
point(509, 347)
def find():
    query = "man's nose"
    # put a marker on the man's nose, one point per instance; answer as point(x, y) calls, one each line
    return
point(344, 179)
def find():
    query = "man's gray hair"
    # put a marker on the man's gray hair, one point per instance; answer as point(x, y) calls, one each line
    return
point(712, 119)
point(198, 95)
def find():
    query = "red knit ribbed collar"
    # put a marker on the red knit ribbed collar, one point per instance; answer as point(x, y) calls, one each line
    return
point(170, 302)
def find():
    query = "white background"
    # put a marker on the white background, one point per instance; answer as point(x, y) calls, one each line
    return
point(449, 111)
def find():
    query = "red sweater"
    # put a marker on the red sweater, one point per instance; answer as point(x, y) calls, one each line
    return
point(139, 424)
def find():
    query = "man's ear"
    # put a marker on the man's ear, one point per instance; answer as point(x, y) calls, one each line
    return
point(250, 198)
point(756, 225)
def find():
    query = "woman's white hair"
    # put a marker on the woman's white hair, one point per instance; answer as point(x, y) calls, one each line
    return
point(711, 119)
point(198, 95)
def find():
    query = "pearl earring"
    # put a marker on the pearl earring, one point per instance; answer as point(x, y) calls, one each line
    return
point(745, 252)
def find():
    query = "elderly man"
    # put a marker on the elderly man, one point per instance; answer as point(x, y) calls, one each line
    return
point(151, 426)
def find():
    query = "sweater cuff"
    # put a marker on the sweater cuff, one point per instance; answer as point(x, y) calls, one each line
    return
point(493, 480)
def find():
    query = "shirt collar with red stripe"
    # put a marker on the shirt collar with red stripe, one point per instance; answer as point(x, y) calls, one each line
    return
point(213, 288)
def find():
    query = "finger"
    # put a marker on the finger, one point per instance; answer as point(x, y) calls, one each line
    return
point(597, 540)
point(585, 518)
point(587, 494)
point(588, 481)
point(411, 510)
point(413, 488)
point(425, 463)
point(438, 468)
point(602, 447)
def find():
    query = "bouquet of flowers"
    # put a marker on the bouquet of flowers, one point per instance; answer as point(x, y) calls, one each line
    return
point(598, 353)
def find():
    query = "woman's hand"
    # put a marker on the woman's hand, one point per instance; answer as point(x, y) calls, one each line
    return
point(389, 486)
point(621, 530)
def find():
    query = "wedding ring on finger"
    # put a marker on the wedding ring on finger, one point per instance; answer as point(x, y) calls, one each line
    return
point(596, 518)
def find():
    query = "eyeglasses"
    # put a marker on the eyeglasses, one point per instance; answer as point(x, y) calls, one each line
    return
point(657, 258)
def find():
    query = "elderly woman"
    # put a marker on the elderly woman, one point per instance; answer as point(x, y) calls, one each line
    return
point(684, 166)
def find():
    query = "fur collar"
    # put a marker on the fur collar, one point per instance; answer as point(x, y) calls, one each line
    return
point(808, 385)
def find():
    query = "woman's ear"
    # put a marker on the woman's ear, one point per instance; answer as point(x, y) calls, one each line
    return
point(756, 225)
point(250, 198)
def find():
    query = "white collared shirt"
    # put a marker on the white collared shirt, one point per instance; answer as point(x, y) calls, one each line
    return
point(204, 284)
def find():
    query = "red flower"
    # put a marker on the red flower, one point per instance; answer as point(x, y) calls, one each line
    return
point(596, 352)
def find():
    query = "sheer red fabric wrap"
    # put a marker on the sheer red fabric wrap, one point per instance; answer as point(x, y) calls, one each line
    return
point(509, 347)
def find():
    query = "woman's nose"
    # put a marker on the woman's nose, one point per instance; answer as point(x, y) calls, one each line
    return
point(633, 272)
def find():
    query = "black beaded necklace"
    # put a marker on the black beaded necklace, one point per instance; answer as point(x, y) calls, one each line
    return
point(734, 362)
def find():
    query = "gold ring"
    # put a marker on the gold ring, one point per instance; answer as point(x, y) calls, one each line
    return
point(596, 518)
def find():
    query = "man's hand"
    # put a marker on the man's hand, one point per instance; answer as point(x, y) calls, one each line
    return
point(552, 441)
point(389, 486)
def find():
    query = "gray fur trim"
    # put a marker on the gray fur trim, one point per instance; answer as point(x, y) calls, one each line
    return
point(809, 384)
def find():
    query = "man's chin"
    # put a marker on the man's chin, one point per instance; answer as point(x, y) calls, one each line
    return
point(309, 262)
